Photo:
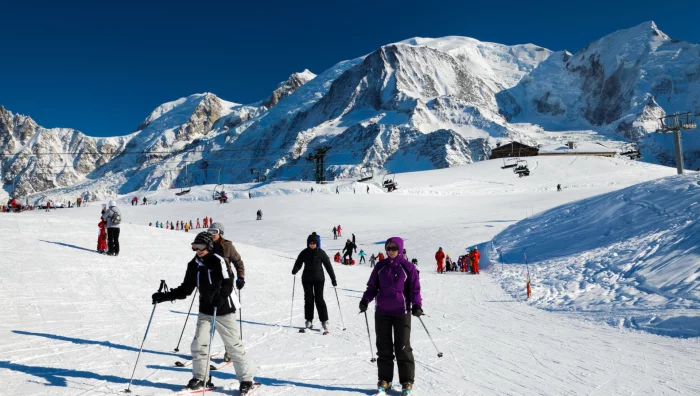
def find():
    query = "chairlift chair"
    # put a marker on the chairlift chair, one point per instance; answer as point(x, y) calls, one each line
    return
point(509, 163)
point(184, 190)
point(521, 168)
point(366, 174)
point(389, 182)
point(218, 191)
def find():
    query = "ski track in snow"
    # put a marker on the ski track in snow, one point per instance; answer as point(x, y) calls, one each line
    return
point(73, 320)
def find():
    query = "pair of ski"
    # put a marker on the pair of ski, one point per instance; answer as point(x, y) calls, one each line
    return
point(304, 329)
point(213, 388)
point(212, 367)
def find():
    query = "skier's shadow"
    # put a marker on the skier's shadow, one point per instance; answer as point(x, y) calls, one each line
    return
point(267, 381)
point(69, 245)
point(82, 341)
point(245, 321)
point(56, 376)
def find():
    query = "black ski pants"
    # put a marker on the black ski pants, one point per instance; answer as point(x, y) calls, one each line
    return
point(313, 293)
point(348, 254)
point(113, 240)
point(400, 327)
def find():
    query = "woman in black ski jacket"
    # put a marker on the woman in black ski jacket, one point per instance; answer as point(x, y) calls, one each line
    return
point(314, 259)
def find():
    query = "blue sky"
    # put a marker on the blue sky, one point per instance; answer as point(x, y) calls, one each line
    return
point(102, 67)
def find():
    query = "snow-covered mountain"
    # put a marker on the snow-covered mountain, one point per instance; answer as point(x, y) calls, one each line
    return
point(622, 83)
point(417, 104)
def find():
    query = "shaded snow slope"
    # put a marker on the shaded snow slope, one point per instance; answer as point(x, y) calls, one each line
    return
point(630, 256)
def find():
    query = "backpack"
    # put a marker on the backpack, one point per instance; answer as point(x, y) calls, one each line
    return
point(116, 218)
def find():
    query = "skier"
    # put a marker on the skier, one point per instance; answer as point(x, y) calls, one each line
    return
point(474, 255)
point(440, 258)
point(156, 223)
point(102, 238)
point(395, 284)
point(145, 201)
point(178, 225)
point(367, 189)
point(187, 227)
point(380, 256)
point(206, 271)
point(558, 187)
point(335, 233)
point(312, 279)
point(347, 251)
point(337, 191)
point(113, 217)
point(372, 260)
point(318, 237)
point(259, 214)
point(448, 263)
point(48, 205)
point(312, 190)
point(340, 231)
point(190, 225)
point(225, 249)
point(336, 258)
point(362, 256)
point(199, 225)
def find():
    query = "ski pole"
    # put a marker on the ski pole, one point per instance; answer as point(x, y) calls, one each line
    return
point(177, 348)
point(162, 288)
point(291, 311)
point(339, 310)
point(211, 340)
point(371, 352)
point(431, 338)
point(240, 311)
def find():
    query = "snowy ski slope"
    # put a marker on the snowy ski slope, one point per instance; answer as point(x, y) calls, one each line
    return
point(73, 320)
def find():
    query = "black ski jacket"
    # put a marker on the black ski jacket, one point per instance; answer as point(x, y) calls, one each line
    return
point(349, 246)
point(210, 276)
point(313, 260)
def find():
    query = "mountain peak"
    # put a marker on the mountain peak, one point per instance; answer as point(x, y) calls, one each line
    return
point(286, 88)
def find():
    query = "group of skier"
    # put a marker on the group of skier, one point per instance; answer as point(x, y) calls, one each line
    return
point(182, 225)
point(466, 263)
point(135, 201)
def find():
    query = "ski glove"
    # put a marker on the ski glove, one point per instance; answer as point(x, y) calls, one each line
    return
point(363, 306)
point(334, 283)
point(240, 282)
point(417, 311)
point(217, 301)
point(159, 297)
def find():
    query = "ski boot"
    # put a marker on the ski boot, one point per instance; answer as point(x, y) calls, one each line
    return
point(382, 388)
point(325, 327)
point(245, 387)
point(406, 389)
point(227, 357)
point(195, 384)
point(308, 325)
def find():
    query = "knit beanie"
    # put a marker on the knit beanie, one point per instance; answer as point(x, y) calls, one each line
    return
point(204, 238)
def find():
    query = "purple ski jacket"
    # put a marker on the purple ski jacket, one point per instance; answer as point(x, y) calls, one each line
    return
point(395, 284)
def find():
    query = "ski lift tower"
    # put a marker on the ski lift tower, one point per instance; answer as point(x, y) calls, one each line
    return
point(320, 157)
point(676, 123)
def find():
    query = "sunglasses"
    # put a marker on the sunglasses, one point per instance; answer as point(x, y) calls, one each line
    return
point(198, 247)
point(392, 248)
point(213, 231)
point(312, 243)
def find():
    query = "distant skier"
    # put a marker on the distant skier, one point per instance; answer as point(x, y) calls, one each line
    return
point(380, 256)
point(312, 190)
point(372, 260)
point(312, 259)
point(367, 189)
point(448, 263)
point(113, 218)
point(340, 231)
point(474, 255)
point(190, 224)
point(335, 233)
point(362, 256)
point(102, 237)
point(337, 190)
point(145, 201)
point(199, 225)
point(440, 258)
point(347, 251)
point(206, 222)
point(48, 206)
point(558, 187)
point(206, 272)
point(259, 214)
point(395, 284)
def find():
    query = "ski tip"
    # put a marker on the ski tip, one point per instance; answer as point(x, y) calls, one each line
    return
point(179, 364)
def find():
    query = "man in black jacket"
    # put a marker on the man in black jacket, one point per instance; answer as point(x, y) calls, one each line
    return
point(349, 246)
point(313, 258)
point(207, 272)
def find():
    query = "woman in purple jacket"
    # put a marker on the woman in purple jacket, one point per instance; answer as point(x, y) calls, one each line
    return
point(395, 284)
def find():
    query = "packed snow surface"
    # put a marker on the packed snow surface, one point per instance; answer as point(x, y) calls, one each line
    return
point(73, 320)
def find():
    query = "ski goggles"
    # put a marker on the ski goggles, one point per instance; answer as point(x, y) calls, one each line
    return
point(198, 247)
point(391, 248)
point(213, 231)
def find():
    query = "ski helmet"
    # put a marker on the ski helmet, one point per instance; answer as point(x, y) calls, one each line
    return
point(217, 226)
point(112, 203)
point(204, 238)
